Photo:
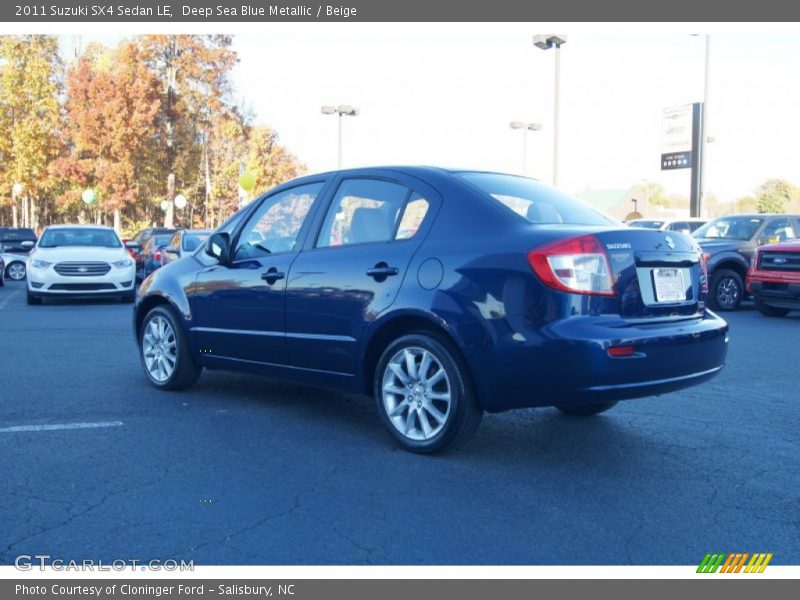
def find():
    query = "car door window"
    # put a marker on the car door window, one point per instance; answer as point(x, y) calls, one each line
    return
point(778, 230)
point(275, 225)
point(413, 215)
point(363, 211)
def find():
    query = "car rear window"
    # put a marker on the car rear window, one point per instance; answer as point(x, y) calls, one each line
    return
point(17, 235)
point(534, 201)
point(192, 240)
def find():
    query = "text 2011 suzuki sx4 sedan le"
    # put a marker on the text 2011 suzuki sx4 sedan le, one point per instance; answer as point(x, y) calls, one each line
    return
point(443, 293)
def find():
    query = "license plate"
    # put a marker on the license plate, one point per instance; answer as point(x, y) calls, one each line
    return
point(669, 285)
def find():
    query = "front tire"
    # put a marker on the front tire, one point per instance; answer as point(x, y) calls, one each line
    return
point(16, 271)
point(726, 290)
point(424, 394)
point(770, 311)
point(33, 300)
point(585, 410)
point(128, 297)
point(164, 351)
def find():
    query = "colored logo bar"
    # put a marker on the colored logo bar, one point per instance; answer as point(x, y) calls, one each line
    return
point(734, 562)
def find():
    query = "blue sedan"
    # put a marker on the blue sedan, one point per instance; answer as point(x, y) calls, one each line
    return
point(441, 293)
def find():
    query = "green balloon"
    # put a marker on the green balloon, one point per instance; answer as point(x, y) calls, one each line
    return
point(88, 195)
point(247, 181)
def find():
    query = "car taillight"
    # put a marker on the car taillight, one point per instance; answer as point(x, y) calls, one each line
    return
point(157, 256)
point(704, 258)
point(578, 265)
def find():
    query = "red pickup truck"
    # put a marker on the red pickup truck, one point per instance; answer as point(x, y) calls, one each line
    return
point(774, 278)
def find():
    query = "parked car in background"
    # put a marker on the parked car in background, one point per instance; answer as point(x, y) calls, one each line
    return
point(15, 244)
point(15, 268)
point(17, 240)
point(441, 293)
point(728, 245)
point(152, 254)
point(80, 260)
point(183, 242)
point(677, 225)
point(136, 245)
point(774, 278)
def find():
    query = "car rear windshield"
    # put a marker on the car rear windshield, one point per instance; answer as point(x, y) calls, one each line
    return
point(647, 224)
point(79, 236)
point(161, 240)
point(192, 240)
point(730, 228)
point(535, 201)
point(17, 235)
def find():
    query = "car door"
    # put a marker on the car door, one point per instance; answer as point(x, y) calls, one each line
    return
point(352, 269)
point(239, 306)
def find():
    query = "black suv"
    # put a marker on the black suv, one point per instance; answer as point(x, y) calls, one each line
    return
point(728, 245)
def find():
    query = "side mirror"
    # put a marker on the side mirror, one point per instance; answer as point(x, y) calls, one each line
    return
point(171, 250)
point(219, 247)
point(27, 244)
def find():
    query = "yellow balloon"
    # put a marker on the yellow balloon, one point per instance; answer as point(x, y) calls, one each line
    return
point(247, 181)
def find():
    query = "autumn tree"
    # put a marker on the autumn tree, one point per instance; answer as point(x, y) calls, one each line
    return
point(30, 83)
point(112, 110)
point(193, 71)
point(270, 162)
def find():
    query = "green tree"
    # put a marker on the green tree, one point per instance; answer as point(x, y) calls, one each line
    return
point(773, 196)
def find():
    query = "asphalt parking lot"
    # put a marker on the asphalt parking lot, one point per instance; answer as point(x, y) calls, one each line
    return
point(244, 470)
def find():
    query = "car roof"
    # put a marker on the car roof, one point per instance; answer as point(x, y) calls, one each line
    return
point(79, 226)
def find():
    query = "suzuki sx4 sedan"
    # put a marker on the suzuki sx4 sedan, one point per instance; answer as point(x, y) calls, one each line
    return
point(443, 294)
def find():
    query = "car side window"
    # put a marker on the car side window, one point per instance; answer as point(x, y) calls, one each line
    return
point(413, 215)
point(175, 241)
point(778, 230)
point(274, 226)
point(363, 210)
point(679, 226)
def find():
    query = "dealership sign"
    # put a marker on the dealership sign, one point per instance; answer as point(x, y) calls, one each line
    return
point(676, 138)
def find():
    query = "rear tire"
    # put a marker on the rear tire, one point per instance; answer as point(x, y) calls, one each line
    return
point(585, 410)
point(16, 271)
point(164, 351)
point(770, 311)
point(424, 394)
point(33, 299)
point(726, 290)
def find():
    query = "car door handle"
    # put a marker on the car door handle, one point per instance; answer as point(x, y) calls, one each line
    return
point(381, 271)
point(272, 275)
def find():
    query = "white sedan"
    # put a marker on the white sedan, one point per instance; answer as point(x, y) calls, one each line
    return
point(80, 260)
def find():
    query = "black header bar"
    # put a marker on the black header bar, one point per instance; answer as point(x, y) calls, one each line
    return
point(241, 11)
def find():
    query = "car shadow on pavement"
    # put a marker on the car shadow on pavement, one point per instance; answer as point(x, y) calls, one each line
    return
point(522, 438)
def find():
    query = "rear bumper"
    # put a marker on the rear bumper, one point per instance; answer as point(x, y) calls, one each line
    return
point(781, 294)
point(567, 361)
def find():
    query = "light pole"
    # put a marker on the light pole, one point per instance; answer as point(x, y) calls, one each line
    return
point(706, 138)
point(545, 42)
point(341, 110)
point(526, 127)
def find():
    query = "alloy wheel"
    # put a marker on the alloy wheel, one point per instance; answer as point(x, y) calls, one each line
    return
point(727, 292)
point(416, 393)
point(159, 348)
point(16, 271)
